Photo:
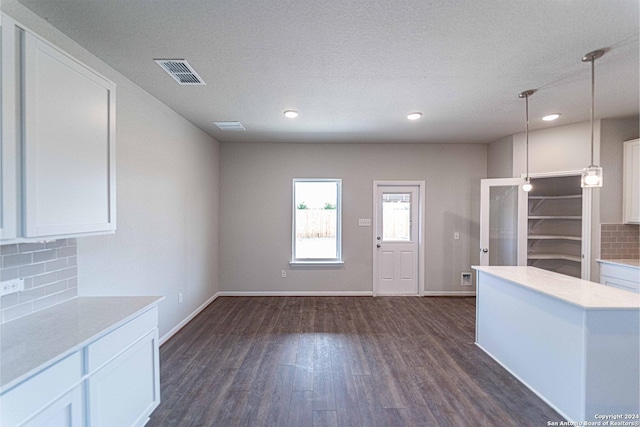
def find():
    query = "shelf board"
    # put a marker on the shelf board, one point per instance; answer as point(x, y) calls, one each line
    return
point(574, 258)
point(553, 237)
point(572, 196)
point(555, 217)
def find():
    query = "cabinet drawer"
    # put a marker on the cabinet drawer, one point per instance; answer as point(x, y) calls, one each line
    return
point(117, 341)
point(620, 283)
point(38, 392)
point(630, 274)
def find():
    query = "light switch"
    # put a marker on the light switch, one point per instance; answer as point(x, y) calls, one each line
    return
point(364, 222)
point(456, 236)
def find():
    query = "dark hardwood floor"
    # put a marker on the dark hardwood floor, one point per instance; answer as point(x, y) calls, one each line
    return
point(338, 361)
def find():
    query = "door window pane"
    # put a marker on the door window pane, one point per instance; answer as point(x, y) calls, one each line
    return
point(396, 217)
point(503, 225)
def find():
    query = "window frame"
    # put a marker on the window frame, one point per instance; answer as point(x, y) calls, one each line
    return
point(317, 261)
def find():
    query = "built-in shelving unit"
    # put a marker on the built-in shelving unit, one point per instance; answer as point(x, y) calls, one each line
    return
point(554, 231)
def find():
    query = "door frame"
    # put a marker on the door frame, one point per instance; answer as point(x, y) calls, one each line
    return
point(421, 217)
point(485, 185)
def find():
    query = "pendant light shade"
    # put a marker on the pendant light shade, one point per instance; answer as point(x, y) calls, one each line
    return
point(592, 175)
point(526, 94)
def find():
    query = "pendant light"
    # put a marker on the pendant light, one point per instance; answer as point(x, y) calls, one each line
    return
point(526, 94)
point(592, 175)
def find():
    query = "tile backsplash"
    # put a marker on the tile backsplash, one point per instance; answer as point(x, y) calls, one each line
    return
point(50, 272)
point(619, 241)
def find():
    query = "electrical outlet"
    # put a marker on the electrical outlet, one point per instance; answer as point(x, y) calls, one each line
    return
point(283, 274)
point(456, 236)
point(180, 298)
point(11, 286)
point(465, 279)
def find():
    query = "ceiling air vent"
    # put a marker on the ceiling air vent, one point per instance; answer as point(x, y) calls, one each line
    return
point(229, 125)
point(181, 71)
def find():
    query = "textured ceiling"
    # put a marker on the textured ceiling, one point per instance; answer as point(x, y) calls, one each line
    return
point(354, 69)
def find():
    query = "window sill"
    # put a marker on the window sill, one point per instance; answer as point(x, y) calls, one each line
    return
point(322, 264)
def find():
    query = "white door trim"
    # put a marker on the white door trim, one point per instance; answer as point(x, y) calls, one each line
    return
point(421, 222)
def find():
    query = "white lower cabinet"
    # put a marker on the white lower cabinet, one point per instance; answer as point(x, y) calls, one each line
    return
point(52, 397)
point(64, 412)
point(620, 276)
point(126, 390)
point(111, 382)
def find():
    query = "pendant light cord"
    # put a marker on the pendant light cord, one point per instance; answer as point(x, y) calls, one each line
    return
point(591, 57)
point(593, 97)
point(526, 94)
point(526, 103)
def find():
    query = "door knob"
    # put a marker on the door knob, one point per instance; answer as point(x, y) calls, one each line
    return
point(379, 245)
point(485, 250)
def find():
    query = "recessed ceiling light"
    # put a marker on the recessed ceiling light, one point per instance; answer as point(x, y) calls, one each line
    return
point(414, 116)
point(291, 114)
point(551, 117)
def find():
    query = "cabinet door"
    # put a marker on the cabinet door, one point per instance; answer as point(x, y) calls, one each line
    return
point(632, 181)
point(8, 137)
point(64, 412)
point(68, 145)
point(126, 390)
point(53, 394)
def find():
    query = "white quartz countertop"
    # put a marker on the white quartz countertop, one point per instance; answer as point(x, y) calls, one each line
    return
point(623, 262)
point(585, 294)
point(29, 343)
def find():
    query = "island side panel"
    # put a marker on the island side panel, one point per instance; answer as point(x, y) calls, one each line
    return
point(613, 363)
point(537, 338)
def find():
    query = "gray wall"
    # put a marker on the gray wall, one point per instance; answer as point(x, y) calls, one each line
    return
point(613, 133)
point(255, 204)
point(167, 199)
point(554, 149)
point(500, 158)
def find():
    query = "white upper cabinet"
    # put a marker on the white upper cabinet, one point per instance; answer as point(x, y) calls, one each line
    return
point(65, 127)
point(632, 181)
point(8, 137)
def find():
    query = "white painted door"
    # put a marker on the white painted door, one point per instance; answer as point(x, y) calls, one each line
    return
point(503, 219)
point(397, 237)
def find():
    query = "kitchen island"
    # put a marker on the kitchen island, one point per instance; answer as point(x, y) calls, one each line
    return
point(573, 342)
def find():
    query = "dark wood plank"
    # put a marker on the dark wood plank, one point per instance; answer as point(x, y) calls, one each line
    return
point(301, 409)
point(338, 361)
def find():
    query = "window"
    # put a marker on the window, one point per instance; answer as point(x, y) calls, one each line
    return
point(317, 221)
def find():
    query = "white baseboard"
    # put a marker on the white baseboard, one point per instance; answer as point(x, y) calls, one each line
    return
point(296, 294)
point(186, 320)
point(450, 293)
